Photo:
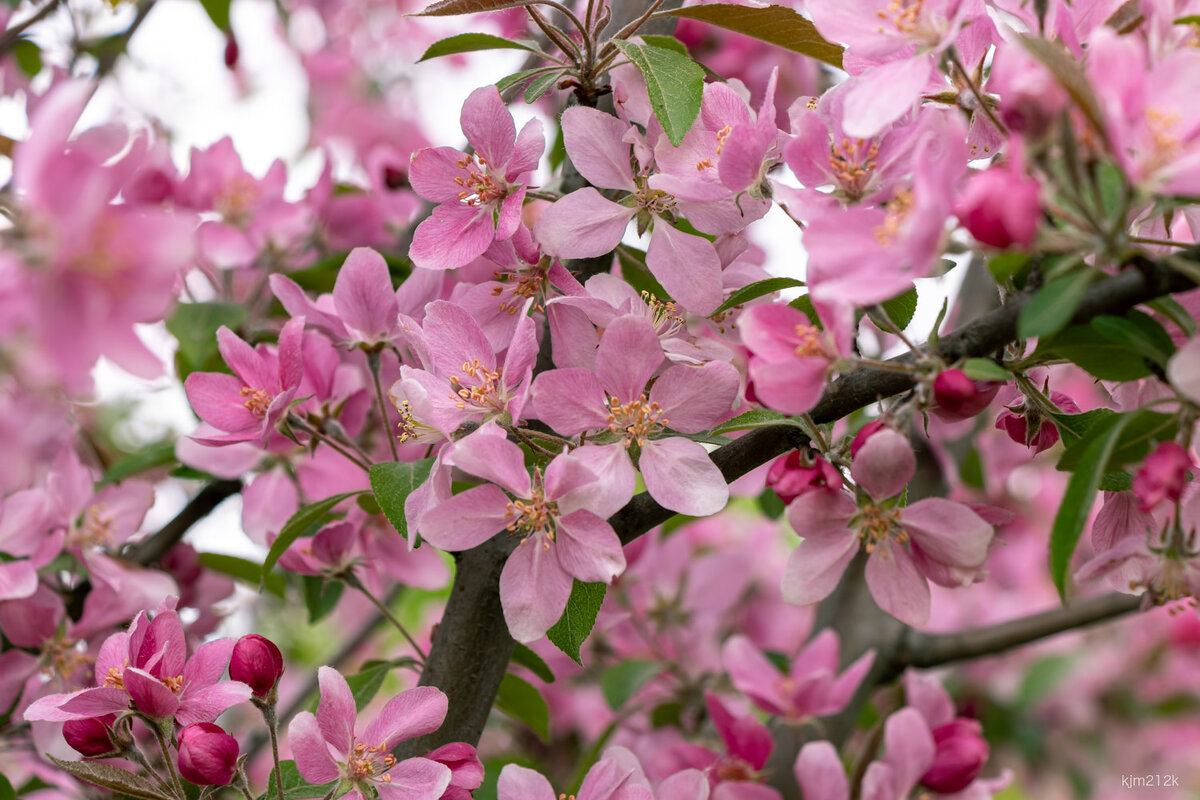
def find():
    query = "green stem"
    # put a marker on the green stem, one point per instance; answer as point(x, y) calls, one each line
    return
point(373, 363)
point(161, 729)
point(352, 581)
point(268, 712)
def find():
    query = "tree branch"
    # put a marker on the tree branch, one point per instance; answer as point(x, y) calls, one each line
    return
point(153, 547)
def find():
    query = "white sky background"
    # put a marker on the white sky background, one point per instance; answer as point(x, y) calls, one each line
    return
point(174, 71)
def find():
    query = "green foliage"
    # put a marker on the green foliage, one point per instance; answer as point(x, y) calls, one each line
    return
point(245, 571)
point(218, 12)
point(756, 290)
point(152, 456)
point(520, 700)
point(472, 42)
point(984, 369)
point(300, 523)
point(195, 325)
point(622, 681)
point(754, 418)
point(533, 662)
point(320, 596)
point(674, 83)
point(774, 24)
point(1052, 307)
point(577, 621)
point(294, 785)
point(392, 482)
point(902, 308)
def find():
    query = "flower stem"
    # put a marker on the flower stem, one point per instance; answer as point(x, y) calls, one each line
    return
point(268, 712)
point(161, 728)
point(373, 363)
point(352, 581)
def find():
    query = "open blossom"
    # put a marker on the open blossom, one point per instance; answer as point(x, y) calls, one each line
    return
point(362, 310)
point(812, 686)
point(932, 539)
point(148, 666)
point(790, 357)
point(328, 746)
point(1162, 476)
point(559, 517)
point(248, 404)
point(617, 776)
point(479, 196)
point(613, 400)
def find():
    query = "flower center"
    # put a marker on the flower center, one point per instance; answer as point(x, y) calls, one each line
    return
point(897, 210)
point(852, 162)
point(735, 769)
point(1166, 143)
point(114, 678)
point(525, 282)
point(877, 525)
point(811, 344)
point(485, 388)
point(479, 186)
point(257, 401)
point(238, 196)
point(534, 516)
point(722, 136)
point(370, 763)
point(96, 527)
point(410, 427)
point(655, 201)
point(901, 14)
point(635, 420)
point(664, 316)
point(63, 656)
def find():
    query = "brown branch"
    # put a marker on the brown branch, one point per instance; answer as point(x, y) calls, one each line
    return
point(153, 547)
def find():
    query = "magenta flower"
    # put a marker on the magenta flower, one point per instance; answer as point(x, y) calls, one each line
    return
point(613, 400)
point(364, 307)
point(812, 686)
point(1001, 207)
point(793, 475)
point(91, 738)
point(148, 666)
point(932, 539)
point(560, 518)
point(256, 662)
point(617, 776)
point(207, 754)
point(479, 196)
point(1162, 476)
point(1026, 425)
point(957, 397)
point(327, 746)
point(248, 404)
point(790, 357)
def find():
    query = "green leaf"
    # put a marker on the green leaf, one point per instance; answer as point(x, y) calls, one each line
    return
point(622, 681)
point(1009, 265)
point(774, 24)
point(1116, 481)
point(804, 305)
point(111, 777)
point(218, 12)
point(1140, 332)
point(195, 325)
point(245, 571)
point(533, 662)
point(577, 621)
point(392, 482)
point(472, 42)
point(152, 456)
point(1170, 308)
point(771, 504)
point(294, 785)
point(517, 77)
point(665, 42)
point(1080, 495)
point(520, 700)
point(446, 8)
point(1111, 183)
point(984, 369)
point(637, 274)
point(1142, 429)
point(1042, 677)
point(1073, 427)
point(1100, 356)
point(674, 82)
point(667, 715)
point(1052, 307)
point(756, 290)
point(7, 792)
point(755, 418)
point(28, 56)
point(366, 684)
point(901, 308)
point(300, 523)
point(539, 86)
point(320, 596)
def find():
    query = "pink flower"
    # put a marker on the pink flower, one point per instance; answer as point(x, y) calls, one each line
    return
point(1162, 476)
point(959, 756)
point(791, 477)
point(364, 307)
point(820, 773)
point(91, 738)
point(560, 519)
point(248, 404)
point(207, 754)
point(256, 662)
point(479, 196)
point(812, 686)
point(1029, 427)
point(613, 400)
point(617, 776)
point(1001, 207)
point(957, 397)
point(327, 746)
point(932, 539)
point(790, 357)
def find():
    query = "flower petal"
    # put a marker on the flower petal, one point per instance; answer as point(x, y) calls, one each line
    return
point(521, 783)
point(413, 713)
point(687, 266)
point(897, 586)
point(680, 476)
point(336, 711)
point(588, 548)
point(533, 590)
point(694, 399)
point(570, 401)
point(363, 295)
point(467, 519)
point(310, 750)
point(629, 354)
point(816, 565)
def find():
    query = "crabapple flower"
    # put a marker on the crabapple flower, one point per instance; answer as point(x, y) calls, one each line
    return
point(794, 474)
point(91, 738)
point(207, 754)
point(1001, 207)
point(612, 400)
point(364, 312)
point(249, 403)
point(617, 776)
point(957, 397)
point(812, 686)
point(960, 751)
point(1026, 425)
point(1162, 476)
point(479, 196)
point(560, 519)
point(932, 539)
point(790, 357)
point(256, 662)
point(327, 746)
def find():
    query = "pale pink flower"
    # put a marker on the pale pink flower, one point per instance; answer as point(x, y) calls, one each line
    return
point(617, 776)
point(790, 357)
point(362, 311)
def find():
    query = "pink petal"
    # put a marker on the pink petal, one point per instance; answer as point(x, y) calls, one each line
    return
point(885, 464)
point(84, 704)
point(149, 694)
point(744, 737)
point(594, 142)
point(245, 362)
point(789, 387)
point(582, 225)
point(821, 513)
point(897, 586)
point(453, 236)
point(510, 214)
point(520, 783)
point(628, 356)
point(309, 749)
point(217, 400)
point(946, 531)
point(454, 338)
point(694, 399)
point(570, 401)
point(753, 675)
point(533, 590)
point(336, 712)
point(522, 352)
point(680, 476)
point(816, 565)
point(363, 295)
point(487, 454)
point(206, 703)
point(688, 784)
point(847, 683)
point(413, 713)
point(467, 519)
point(588, 548)
point(687, 266)
point(432, 173)
point(883, 94)
point(415, 779)
point(160, 646)
point(820, 773)
point(489, 126)
point(208, 663)
point(612, 487)
point(909, 747)
point(527, 150)
point(18, 579)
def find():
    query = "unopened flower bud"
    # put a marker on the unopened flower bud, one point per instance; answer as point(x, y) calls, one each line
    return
point(791, 475)
point(207, 754)
point(959, 758)
point(864, 433)
point(1162, 476)
point(256, 662)
point(1001, 208)
point(1031, 98)
point(1030, 428)
point(91, 737)
point(232, 51)
point(957, 397)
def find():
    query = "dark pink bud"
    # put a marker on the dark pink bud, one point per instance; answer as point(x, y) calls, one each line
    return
point(1162, 476)
point(1001, 208)
point(961, 753)
point(231, 51)
point(207, 754)
point(256, 662)
point(394, 177)
point(864, 433)
point(1030, 429)
point(466, 770)
point(91, 737)
point(957, 397)
point(791, 477)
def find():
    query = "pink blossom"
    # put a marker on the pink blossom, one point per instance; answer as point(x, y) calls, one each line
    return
point(25, 535)
point(820, 773)
point(327, 746)
point(364, 307)
point(1001, 207)
point(812, 686)
point(613, 400)
point(794, 474)
point(479, 196)
point(1025, 424)
point(560, 519)
point(207, 754)
point(932, 539)
point(617, 776)
point(790, 357)
point(1162, 476)
point(256, 662)
point(957, 397)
